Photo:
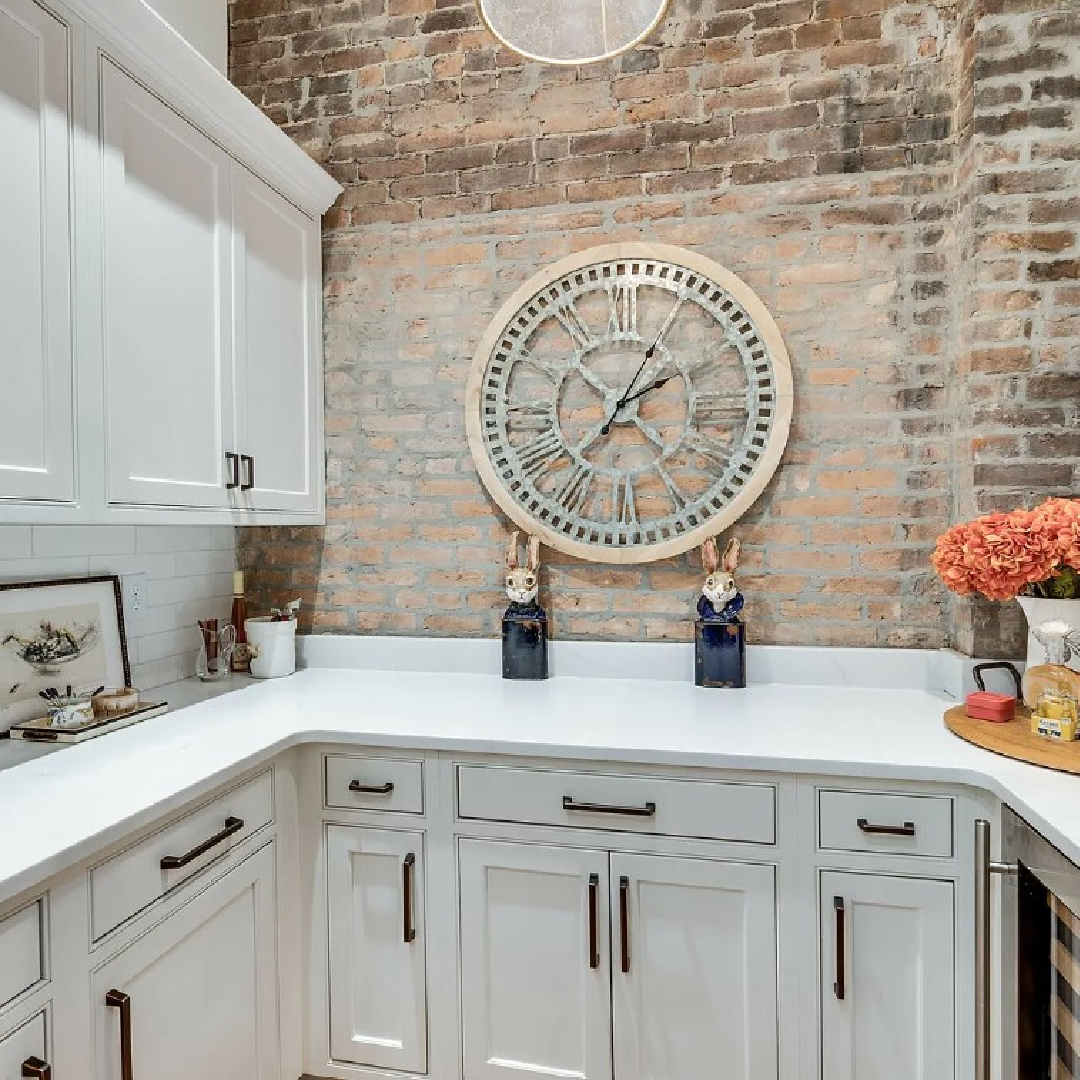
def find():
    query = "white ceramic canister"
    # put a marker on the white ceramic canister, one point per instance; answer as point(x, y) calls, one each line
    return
point(273, 646)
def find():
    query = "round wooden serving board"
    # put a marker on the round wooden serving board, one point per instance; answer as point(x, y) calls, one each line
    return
point(1015, 740)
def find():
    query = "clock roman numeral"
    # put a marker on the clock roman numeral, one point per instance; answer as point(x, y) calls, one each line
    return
point(623, 504)
point(715, 454)
point(574, 490)
point(571, 321)
point(530, 415)
point(552, 372)
point(678, 499)
point(622, 309)
point(710, 408)
point(538, 455)
point(667, 323)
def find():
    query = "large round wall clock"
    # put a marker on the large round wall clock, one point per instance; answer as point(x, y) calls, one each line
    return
point(571, 32)
point(629, 402)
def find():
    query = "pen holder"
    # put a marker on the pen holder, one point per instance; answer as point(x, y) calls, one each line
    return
point(273, 646)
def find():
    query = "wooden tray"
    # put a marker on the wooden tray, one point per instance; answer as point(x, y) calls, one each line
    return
point(1015, 740)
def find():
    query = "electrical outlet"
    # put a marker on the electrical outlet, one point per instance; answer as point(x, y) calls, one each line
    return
point(133, 587)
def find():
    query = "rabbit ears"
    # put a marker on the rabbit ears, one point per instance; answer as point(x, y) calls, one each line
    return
point(710, 556)
point(532, 556)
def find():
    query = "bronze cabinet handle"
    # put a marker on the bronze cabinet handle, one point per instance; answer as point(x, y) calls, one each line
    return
point(233, 461)
point(624, 923)
point(409, 931)
point(174, 862)
point(907, 829)
point(117, 999)
point(371, 789)
point(249, 469)
point(838, 984)
point(570, 803)
point(594, 919)
point(34, 1066)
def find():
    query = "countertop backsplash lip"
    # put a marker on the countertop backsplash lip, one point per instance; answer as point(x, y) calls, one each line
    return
point(936, 670)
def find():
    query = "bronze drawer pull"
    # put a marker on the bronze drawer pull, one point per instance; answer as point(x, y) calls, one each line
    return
point(594, 920)
point(838, 985)
point(371, 789)
point(174, 862)
point(907, 829)
point(249, 468)
point(409, 931)
point(569, 803)
point(117, 999)
point(624, 923)
point(34, 1066)
point(233, 461)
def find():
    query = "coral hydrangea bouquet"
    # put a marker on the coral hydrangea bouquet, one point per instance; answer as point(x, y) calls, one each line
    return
point(1023, 553)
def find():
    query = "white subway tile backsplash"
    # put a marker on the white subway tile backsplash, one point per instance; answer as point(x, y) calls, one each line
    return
point(172, 538)
point(15, 542)
point(189, 577)
point(60, 540)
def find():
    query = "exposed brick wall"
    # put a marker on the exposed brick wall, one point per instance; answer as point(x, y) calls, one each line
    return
point(830, 152)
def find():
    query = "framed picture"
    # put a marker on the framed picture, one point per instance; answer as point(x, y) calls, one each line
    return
point(59, 634)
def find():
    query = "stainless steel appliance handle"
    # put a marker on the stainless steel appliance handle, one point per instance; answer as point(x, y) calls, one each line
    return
point(984, 868)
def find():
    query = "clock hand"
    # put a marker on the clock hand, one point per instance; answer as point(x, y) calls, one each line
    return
point(649, 353)
point(652, 386)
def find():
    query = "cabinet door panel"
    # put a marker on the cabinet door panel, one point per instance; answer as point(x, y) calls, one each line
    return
point(378, 996)
point(25, 1042)
point(897, 1017)
point(203, 987)
point(166, 294)
point(37, 435)
point(532, 1004)
point(277, 333)
point(701, 952)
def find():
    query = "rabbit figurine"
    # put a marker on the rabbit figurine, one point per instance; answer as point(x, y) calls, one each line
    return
point(720, 599)
point(523, 582)
point(524, 623)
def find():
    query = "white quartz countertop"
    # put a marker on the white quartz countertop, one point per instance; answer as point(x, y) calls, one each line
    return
point(63, 807)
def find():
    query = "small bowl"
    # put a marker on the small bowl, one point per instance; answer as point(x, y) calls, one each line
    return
point(71, 713)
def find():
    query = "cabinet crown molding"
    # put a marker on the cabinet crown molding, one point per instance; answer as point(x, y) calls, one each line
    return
point(171, 67)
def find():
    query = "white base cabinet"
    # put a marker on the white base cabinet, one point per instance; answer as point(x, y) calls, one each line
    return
point(694, 970)
point(535, 961)
point(377, 948)
point(196, 997)
point(25, 1050)
point(887, 995)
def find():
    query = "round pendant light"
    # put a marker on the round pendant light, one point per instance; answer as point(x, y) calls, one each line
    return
point(571, 31)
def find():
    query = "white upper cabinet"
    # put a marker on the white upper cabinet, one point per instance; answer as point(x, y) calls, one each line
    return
point(36, 360)
point(887, 994)
point(693, 969)
point(160, 281)
point(277, 335)
point(166, 311)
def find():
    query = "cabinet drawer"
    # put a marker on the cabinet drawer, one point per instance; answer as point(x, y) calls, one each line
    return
point(374, 783)
point(22, 1045)
point(714, 810)
point(125, 884)
point(21, 953)
point(889, 824)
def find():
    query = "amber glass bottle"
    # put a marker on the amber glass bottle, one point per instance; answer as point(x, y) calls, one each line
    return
point(241, 657)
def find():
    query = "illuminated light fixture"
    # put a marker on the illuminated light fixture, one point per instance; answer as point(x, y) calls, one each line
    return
point(571, 32)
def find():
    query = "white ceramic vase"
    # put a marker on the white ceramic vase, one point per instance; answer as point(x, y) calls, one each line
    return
point(1039, 611)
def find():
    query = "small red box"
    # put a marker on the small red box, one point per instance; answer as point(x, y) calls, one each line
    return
point(986, 705)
